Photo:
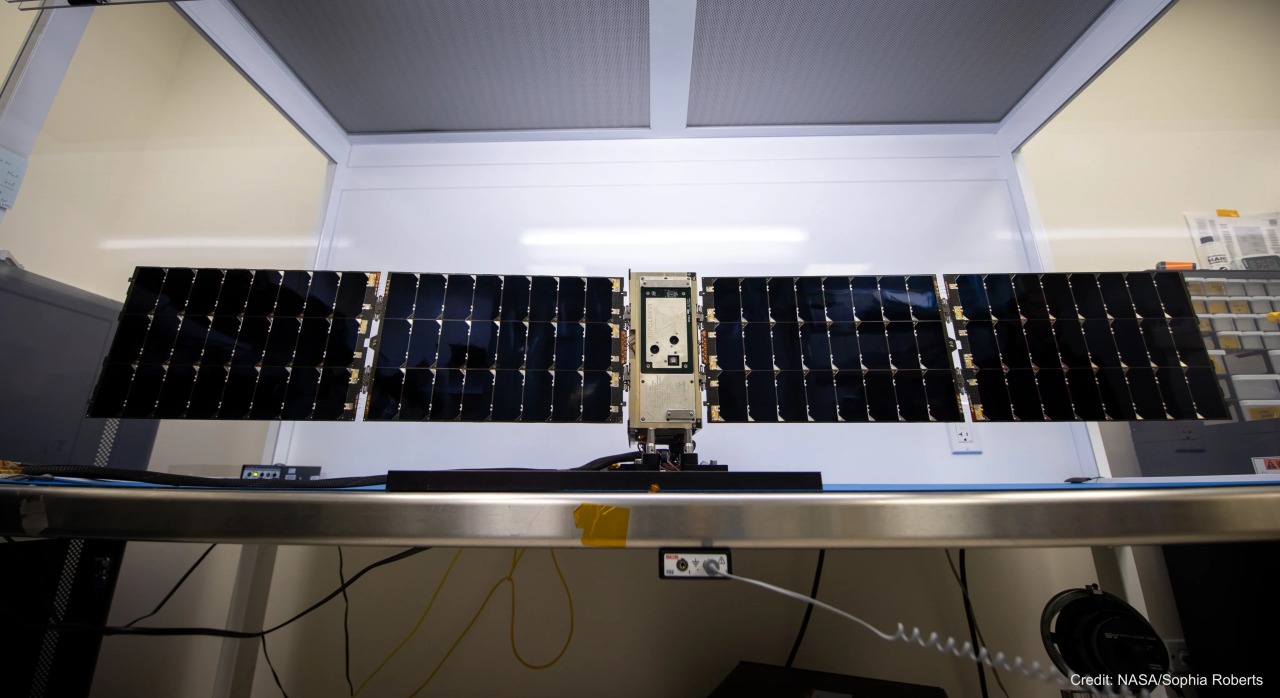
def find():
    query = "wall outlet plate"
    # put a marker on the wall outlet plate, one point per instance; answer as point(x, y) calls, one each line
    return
point(688, 563)
point(1179, 658)
point(963, 437)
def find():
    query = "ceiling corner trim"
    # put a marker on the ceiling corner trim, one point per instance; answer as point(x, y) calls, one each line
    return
point(232, 35)
point(1119, 26)
point(671, 30)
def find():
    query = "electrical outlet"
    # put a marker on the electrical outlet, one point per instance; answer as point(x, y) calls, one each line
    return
point(690, 563)
point(1179, 659)
point(963, 437)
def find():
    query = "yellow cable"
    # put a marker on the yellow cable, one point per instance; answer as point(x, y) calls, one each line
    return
point(417, 625)
point(515, 560)
point(568, 596)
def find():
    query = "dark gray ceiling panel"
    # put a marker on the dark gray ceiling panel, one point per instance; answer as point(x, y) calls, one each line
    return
point(767, 63)
point(386, 66)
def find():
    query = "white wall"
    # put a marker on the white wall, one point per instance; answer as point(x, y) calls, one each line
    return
point(861, 205)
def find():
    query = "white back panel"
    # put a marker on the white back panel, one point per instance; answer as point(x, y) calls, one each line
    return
point(805, 206)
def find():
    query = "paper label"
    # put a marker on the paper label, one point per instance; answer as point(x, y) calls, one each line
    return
point(13, 168)
point(1267, 466)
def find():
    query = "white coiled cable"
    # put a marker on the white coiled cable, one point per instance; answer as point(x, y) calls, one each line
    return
point(981, 656)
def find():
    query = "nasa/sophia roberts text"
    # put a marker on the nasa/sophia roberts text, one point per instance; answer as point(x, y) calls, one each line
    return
point(1152, 680)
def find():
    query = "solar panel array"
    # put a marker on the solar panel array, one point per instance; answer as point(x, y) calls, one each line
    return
point(238, 344)
point(457, 347)
point(827, 349)
point(1082, 346)
point(270, 344)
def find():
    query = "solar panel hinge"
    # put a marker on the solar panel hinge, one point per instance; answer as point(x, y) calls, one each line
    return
point(958, 376)
point(947, 310)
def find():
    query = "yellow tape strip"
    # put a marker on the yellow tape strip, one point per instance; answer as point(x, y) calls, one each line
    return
point(602, 526)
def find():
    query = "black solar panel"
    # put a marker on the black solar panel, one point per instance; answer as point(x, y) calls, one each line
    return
point(456, 347)
point(238, 344)
point(1082, 346)
point(827, 349)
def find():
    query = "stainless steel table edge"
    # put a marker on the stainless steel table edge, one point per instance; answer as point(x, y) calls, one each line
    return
point(1088, 517)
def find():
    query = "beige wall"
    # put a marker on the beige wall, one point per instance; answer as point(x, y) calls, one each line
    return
point(636, 635)
point(145, 666)
point(14, 25)
point(1187, 120)
point(157, 152)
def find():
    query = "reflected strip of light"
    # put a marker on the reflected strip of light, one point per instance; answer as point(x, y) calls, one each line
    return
point(836, 270)
point(206, 243)
point(559, 270)
point(659, 235)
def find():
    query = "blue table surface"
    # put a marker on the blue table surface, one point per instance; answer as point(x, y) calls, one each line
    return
point(1151, 483)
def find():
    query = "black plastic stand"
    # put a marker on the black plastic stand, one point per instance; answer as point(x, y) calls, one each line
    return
point(599, 481)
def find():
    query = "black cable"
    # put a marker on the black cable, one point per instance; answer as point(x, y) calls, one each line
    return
point(346, 628)
point(603, 462)
point(808, 609)
point(175, 588)
point(968, 613)
point(176, 480)
point(216, 632)
point(7, 539)
point(955, 574)
point(272, 667)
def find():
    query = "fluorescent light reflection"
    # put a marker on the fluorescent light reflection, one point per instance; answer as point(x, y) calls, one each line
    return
point(241, 243)
point(661, 235)
point(837, 270)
